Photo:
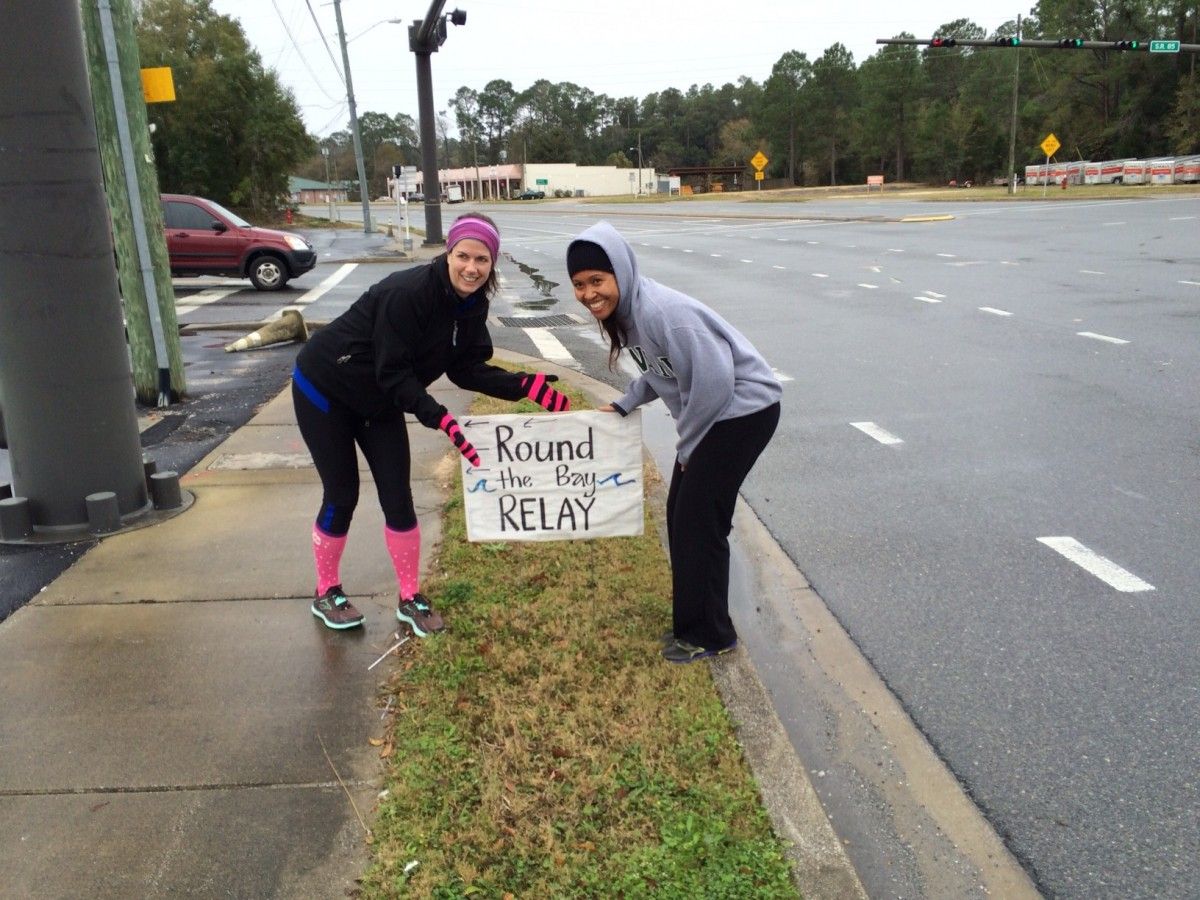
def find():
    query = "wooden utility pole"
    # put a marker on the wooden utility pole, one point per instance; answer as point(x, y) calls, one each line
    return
point(131, 185)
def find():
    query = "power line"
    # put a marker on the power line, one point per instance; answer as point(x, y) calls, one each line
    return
point(321, 33)
point(300, 53)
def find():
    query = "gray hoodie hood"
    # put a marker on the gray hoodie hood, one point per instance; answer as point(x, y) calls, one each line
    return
point(624, 263)
point(702, 368)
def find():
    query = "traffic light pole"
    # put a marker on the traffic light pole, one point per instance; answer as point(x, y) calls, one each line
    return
point(423, 41)
point(65, 384)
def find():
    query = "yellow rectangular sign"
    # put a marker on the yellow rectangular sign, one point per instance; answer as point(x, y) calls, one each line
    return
point(157, 85)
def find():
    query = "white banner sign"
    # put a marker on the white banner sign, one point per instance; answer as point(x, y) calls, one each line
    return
point(568, 476)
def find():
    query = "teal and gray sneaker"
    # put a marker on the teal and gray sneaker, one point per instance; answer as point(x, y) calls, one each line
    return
point(419, 615)
point(335, 610)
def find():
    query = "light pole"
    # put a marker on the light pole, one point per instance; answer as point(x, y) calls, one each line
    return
point(328, 186)
point(638, 148)
point(363, 187)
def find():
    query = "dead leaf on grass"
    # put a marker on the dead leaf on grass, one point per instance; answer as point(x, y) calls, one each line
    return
point(375, 742)
point(387, 750)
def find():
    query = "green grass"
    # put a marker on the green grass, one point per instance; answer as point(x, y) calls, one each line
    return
point(540, 747)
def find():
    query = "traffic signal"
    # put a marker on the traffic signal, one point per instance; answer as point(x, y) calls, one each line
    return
point(942, 42)
point(1071, 43)
point(1007, 42)
point(1125, 45)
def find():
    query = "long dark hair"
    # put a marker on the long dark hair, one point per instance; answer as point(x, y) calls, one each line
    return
point(617, 335)
point(492, 284)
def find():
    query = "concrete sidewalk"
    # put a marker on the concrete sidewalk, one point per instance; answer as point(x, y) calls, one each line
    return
point(176, 723)
point(169, 700)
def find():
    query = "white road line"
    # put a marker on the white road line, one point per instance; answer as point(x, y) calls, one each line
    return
point(1090, 561)
point(316, 293)
point(779, 267)
point(814, 243)
point(819, 275)
point(1196, 283)
point(994, 311)
point(1089, 272)
point(1181, 218)
point(1101, 337)
point(935, 294)
point(928, 299)
point(949, 255)
point(1106, 224)
point(747, 260)
point(689, 251)
point(715, 255)
point(870, 287)
point(872, 430)
point(203, 298)
point(894, 250)
point(875, 269)
point(782, 377)
point(548, 345)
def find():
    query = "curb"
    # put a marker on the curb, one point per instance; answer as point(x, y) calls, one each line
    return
point(819, 863)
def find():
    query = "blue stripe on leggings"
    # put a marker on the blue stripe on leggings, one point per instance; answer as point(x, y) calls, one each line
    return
point(325, 518)
point(309, 390)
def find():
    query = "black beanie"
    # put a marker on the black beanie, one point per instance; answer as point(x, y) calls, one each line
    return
point(584, 255)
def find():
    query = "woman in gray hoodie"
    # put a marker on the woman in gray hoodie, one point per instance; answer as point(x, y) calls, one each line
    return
point(725, 402)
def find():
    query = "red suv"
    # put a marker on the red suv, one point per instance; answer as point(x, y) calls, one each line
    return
point(204, 238)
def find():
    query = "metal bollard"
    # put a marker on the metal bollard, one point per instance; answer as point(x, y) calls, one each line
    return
point(164, 490)
point(15, 521)
point(103, 512)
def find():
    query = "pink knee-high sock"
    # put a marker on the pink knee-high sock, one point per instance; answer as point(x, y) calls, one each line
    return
point(405, 550)
point(327, 552)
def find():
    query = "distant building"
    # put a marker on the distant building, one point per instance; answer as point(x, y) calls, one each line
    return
point(305, 190)
point(556, 179)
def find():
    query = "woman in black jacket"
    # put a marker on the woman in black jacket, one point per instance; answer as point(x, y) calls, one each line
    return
point(358, 376)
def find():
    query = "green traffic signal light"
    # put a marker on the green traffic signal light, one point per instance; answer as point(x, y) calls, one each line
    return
point(1125, 45)
point(1007, 42)
point(1071, 43)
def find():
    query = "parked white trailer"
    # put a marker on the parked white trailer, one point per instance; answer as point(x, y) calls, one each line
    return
point(1107, 171)
point(1187, 170)
point(1135, 172)
point(1161, 170)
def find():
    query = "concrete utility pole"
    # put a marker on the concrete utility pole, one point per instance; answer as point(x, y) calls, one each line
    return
point(64, 373)
point(363, 187)
point(132, 189)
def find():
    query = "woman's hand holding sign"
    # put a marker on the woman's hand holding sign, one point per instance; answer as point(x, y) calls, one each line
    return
point(465, 447)
point(537, 389)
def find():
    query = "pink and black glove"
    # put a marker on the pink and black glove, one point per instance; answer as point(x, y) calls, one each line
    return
point(465, 447)
point(537, 388)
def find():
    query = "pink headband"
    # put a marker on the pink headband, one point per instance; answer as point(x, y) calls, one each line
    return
point(479, 230)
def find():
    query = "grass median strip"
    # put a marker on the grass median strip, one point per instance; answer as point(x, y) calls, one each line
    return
point(541, 747)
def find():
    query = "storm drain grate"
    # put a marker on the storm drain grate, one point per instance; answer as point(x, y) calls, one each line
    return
point(538, 321)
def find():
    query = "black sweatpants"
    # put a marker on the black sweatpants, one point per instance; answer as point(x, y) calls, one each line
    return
point(700, 506)
point(331, 431)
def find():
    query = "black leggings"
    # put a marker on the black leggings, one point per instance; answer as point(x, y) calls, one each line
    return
point(700, 506)
point(331, 430)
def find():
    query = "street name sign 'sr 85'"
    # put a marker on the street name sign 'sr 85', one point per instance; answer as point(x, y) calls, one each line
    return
point(1164, 46)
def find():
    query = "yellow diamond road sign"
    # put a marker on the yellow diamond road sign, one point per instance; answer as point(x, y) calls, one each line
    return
point(1050, 145)
point(758, 160)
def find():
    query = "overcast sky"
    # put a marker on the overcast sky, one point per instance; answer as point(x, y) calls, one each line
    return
point(621, 48)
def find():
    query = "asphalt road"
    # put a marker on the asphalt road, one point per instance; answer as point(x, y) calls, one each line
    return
point(942, 414)
point(1065, 702)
